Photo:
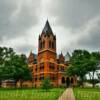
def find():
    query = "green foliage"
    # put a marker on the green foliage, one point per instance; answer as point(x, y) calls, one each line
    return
point(83, 62)
point(46, 83)
point(13, 66)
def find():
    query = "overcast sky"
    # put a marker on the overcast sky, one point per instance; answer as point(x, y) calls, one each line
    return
point(76, 24)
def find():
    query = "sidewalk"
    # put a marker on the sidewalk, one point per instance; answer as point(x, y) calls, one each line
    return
point(67, 95)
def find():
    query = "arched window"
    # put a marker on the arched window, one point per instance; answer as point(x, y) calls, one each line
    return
point(63, 80)
point(68, 81)
point(49, 44)
point(53, 45)
point(72, 80)
point(43, 44)
point(40, 45)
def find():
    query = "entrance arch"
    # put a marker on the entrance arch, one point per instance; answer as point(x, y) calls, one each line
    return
point(63, 80)
point(72, 80)
point(67, 81)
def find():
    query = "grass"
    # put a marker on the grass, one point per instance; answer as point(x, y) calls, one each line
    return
point(87, 93)
point(30, 94)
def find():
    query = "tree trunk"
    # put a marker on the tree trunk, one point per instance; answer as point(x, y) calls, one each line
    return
point(0, 83)
point(81, 82)
point(21, 83)
point(93, 81)
point(16, 83)
point(90, 76)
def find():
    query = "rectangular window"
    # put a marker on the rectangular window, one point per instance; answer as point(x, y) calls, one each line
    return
point(61, 68)
point(51, 66)
point(35, 78)
point(52, 77)
point(41, 77)
point(36, 69)
point(41, 66)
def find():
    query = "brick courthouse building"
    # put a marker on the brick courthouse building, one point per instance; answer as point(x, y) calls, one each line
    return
point(47, 63)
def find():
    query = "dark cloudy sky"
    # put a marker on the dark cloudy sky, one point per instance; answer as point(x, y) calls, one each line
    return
point(76, 23)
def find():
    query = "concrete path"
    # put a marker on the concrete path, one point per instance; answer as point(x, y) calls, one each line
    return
point(67, 95)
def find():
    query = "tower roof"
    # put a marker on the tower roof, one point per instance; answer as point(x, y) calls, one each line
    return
point(67, 56)
point(61, 55)
point(47, 29)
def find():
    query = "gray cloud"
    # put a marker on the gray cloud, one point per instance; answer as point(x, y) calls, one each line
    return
point(24, 48)
point(74, 13)
point(92, 40)
point(16, 17)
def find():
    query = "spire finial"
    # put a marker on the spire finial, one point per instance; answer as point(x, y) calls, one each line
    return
point(47, 29)
point(47, 19)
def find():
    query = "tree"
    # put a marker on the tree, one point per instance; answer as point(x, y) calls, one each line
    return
point(81, 63)
point(78, 64)
point(5, 54)
point(1, 72)
point(13, 66)
point(21, 71)
point(46, 83)
point(93, 66)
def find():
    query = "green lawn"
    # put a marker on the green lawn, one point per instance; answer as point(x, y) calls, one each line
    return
point(87, 93)
point(30, 94)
